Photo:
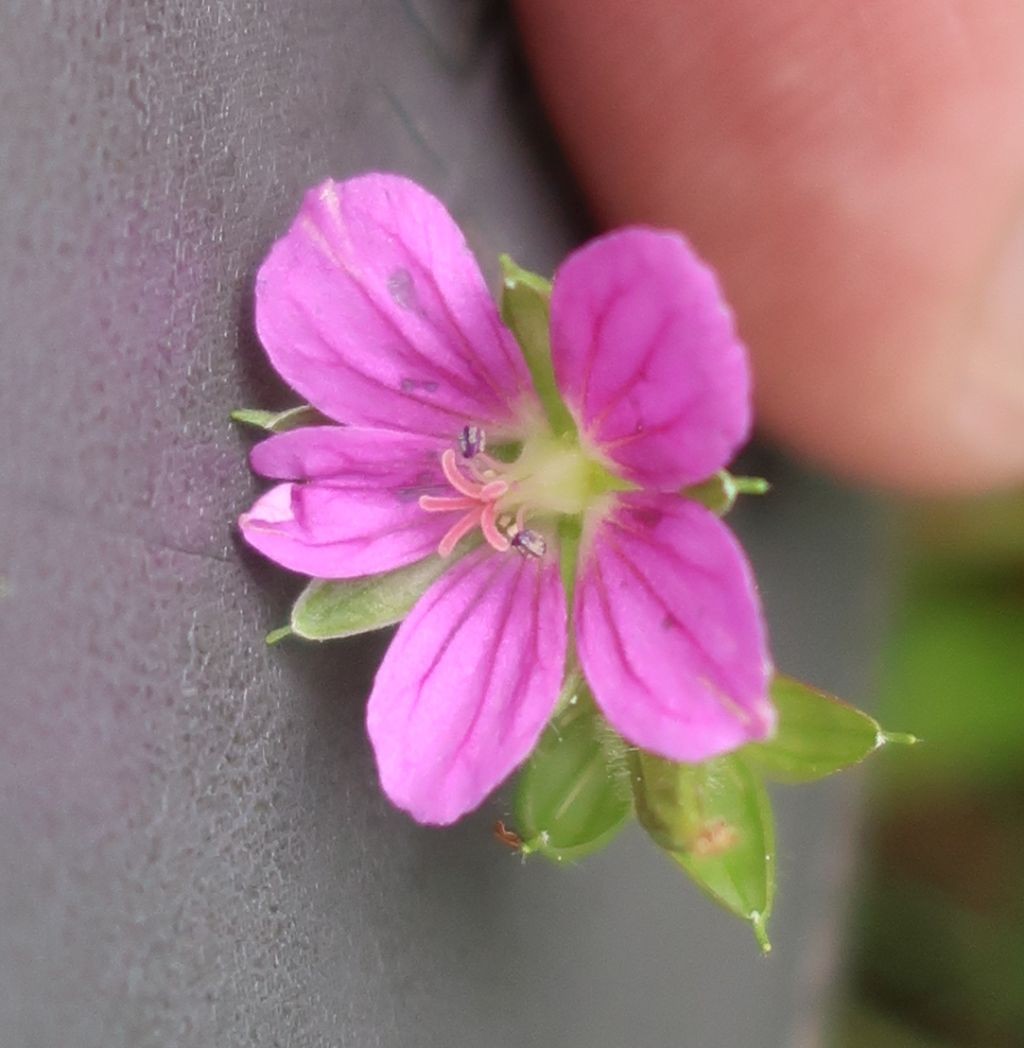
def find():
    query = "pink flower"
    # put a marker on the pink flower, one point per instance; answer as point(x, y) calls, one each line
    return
point(373, 309)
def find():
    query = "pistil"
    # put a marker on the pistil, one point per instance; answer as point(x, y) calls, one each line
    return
point(479, 499)
point(548, 479)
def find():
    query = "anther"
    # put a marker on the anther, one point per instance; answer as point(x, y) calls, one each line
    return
point(472, 441)
point(529, 543)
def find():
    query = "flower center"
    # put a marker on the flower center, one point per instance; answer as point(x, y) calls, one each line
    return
point(549, 479)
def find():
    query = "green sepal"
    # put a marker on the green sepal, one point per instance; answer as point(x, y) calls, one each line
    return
point(573, 797)
point(332, 608)
point(817, 735)
point(280, 421)
point(526, 311)
point(719, 492)
point(715, 821)
point(570, 530)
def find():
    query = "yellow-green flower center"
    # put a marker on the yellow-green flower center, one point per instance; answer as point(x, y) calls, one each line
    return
point(552, 477)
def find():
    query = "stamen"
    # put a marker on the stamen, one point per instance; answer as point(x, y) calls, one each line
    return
point(462, 527)
point(457, 478)
point(477, 499)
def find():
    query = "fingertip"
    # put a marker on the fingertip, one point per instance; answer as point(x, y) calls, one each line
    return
point(853, 180)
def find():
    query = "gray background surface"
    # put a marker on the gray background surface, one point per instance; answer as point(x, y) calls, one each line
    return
point(193, 848)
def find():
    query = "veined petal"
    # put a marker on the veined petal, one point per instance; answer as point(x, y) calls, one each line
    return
point(670, 631)
point(356, 511)
point(373, 308)
point(647, 358)
point(468, 683)
point(340, 533)
point(352, 454)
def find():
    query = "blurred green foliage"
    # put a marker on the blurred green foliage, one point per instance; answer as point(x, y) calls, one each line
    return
point(939, 960)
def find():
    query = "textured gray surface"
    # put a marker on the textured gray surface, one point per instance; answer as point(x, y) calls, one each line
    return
point(194, 850)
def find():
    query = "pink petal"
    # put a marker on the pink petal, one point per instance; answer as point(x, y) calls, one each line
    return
point(357, 512)
point(670, 631)
point(468, 683)
point(373, 308)
point(356, 453)
point(647, 358)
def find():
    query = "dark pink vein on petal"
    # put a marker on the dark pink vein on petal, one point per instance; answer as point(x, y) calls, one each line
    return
point(677, 418)
point(526, 663)
point(451, 579)
point(428, 270)
point(596, 335)
point(336, 360)
point(646, 431)
point(457, 627)
point(620, 647)
point(669, 712)
point(667, 550)
point(710, 666)
point(417, 355)
point(492, 657)
point(636, 376)
point(469, 356)
point(370, 536)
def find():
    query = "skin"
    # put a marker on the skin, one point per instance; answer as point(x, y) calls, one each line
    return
point(855, 172)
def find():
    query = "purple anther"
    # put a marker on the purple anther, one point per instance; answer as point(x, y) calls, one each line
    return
point(529, 543)
point(472, 441)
